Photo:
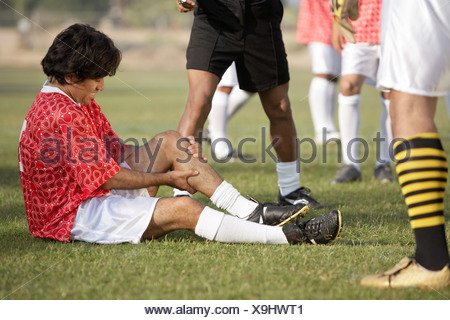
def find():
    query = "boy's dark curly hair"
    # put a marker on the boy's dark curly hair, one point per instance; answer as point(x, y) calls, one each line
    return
point(82, 50)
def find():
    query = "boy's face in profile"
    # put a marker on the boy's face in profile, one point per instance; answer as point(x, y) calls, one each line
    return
point(84, 92)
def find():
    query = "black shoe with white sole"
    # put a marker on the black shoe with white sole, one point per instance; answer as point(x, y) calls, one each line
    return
point(300, 196)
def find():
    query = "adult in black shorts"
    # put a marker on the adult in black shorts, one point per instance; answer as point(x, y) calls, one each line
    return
point(247, 32)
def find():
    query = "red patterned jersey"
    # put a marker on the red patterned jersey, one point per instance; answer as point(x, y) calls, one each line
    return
point(314, 22)
point(66, 152)
point(367, 26)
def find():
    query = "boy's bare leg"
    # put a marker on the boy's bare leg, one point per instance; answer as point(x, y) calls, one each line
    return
point(277, 107)
point(172, 214)
point(169, 151)
point(202, 85)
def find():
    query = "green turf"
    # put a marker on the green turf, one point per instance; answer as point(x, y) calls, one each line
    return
point(376, 231)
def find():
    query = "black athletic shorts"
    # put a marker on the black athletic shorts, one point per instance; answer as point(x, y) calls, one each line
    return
point(245, 31)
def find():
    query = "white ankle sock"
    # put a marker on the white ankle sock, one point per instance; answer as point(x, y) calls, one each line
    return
point(349, 117)
point(288, 176)
point(215, 225)
point(226, 197)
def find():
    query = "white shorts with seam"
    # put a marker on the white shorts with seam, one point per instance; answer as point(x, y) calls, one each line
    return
point(117, 217)
point(324, 59)
point(415, 46)
point(362, 59)
point(229, 78)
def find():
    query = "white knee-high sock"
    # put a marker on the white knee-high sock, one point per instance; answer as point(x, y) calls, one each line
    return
point(349, 117)
point(385, 133)
point(288, 176)
point(226, 197)
point(322, 96)
point(217, 226)
point(218, 115)
point(236, 100)
point(218, 125)
point(208, 223)
point(331, 106)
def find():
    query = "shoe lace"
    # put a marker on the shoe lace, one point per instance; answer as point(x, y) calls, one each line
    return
point(312, 228)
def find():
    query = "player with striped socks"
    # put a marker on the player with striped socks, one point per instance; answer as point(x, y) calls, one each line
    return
point(421, 161)
point(422, 174)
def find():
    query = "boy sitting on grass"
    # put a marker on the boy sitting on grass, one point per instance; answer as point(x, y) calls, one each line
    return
point(80, 182)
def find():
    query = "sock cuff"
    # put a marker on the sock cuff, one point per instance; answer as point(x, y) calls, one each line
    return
point(323, 80)
point(286, 166)
point(346, 100)
point(208, 223)
point(288, 176)
point(324, 86)
point(425, 146)
point(218, 191)
point(222, 96)
point(224, 195)
point(408, 142)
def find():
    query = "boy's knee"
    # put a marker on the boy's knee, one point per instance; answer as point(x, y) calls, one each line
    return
point(280, 112)
point(349, 88)
point(168, 137)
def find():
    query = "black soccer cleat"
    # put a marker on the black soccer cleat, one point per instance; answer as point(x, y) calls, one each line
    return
point(275, 214)
point(300, 196)
point(322, 229)
point(294, 234)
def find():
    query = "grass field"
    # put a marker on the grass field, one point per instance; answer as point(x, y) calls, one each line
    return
point(376, 232)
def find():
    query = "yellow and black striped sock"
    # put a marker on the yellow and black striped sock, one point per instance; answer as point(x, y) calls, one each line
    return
point(422, 174)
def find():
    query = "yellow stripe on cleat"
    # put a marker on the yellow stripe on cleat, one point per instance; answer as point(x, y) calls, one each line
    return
point(301, 212)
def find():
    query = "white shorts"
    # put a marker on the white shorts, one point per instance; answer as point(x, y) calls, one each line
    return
point(229, 78)
point(324, 59)
point(415, 47)
point(362, 59)
point(119, 216)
